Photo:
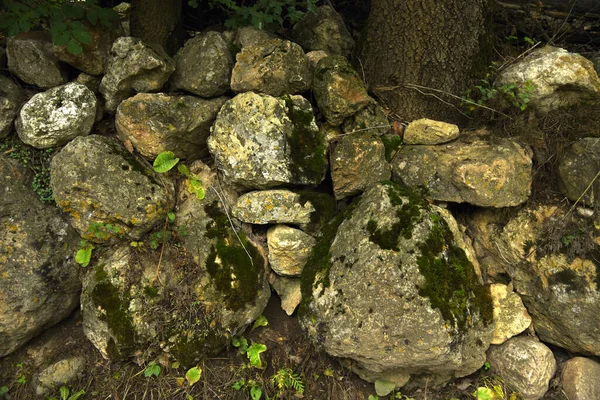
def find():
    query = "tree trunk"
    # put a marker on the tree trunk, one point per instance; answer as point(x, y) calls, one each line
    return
point(159, 22)
point(417, 50)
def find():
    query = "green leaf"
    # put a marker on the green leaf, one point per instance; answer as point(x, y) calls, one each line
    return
point(188, 397)
point(3, 390)
point(183, 170)
point(77, 395)
point(165, 161)
point(195, 187)
point(253, 354)
point(238, 384)
point(152, 369)
point(92, 17)
point(74, 47)
point(82, 36)
point(383, 388)
point(193, 375)
point(64, 392)
point(483, 393)
point(256, 392)
point(260, 321)
point(22, 380)
point(171, 216)
point(84, 254)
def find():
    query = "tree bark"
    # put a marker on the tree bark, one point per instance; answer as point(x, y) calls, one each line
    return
point(157, 21)
point(433, 44)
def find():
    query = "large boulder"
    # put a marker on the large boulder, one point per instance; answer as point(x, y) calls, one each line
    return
point(471, 169)
point(156, 122)
point(259, 141)
point(106, 191)
point(39, 279)
point(56, 116)
point(338, 90)
point(393, 288)
point(577, 169)
point(10, 101)
point(324, 30)
point(276, 67)
point(579, 379)
point(134, 66)
point(31, 59)
point(203, 66)
point(558, 78)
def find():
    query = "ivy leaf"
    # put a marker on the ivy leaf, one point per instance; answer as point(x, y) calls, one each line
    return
point(255, 392)
point(84, 254)
point(254, 354)
point(165, 161)
point(193, 375)
point(74, 47)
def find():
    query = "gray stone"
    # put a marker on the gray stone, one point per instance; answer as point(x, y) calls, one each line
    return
point(279, 206)
point(525, 364)
point(559, 78)
point(428, 131)
point(289, 248)
point(56, 116)
point(11, 98)
point(510, 315)
point(157, 122)
point(470, 169)
point(579, 379)
point(387, 296)
point(203, 66)
point(259, 141)
point(371, 119)
point(30, 57)
point(134, 66)
point(251, 36)
point(288, 290)
point(577, 169)
point(276, 67)
point(357, 162)
point(324, 30)
point(98, 183)
point(59, 374)
point(338, 90)
point(39, 279)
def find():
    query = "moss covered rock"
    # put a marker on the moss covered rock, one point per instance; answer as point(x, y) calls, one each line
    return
point(577, 169)
point(393, 288)
point(324, 30)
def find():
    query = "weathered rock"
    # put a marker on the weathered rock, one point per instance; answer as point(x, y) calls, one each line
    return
point(338, 89)
point(357, 162)
point(428, 131)
point(278, 206)
point(203, 66)
point(10, 101)
point(559, 78)
point(314, 57)
point(94, 55)
point(324, 30)
point(156, 122)
point(134, 66)
point(510, 315)
point(371, 119)
point(525, 364)
point(470, 170)
point(59, 374)
point(579, 379)
point(577, 169)
point(276, 67)
point(124, 11)
point(30, 57)
point(89, 81)
point(389, 289)
point(289, 248)
point(251, 36)
point(106, 191)
point(39, 280)
point(259, 141)
point(56, 116)
point(288, 290)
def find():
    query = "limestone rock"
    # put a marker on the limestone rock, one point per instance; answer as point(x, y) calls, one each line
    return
point(10, 101)
point(357, 162)
point(579, 379)
point(371, 119)
point(156, 122)
point(559, 78)
point(278, 206)
point(98, 183)
point(338, 89)
point(577, 168)
point(525, 364)
point(134, 66)
point(471, 170)
point(259, 141)
point(288, 290)
point(387, 294)
point(58, 374)
point(250, 36)
point(510, 315)
point(30, 57)
point(39, 279)
point(428, 131)
point(314, 57)
point(203, 66)
point(324, 30)
point(289, 248)
point(56, 116)
point(276, 67)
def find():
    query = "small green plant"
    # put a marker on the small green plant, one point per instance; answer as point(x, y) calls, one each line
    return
point(97, 230)
point(84, 253)
point(166, 160)
point(285, 379)
point(253, 386)
point(193, 375)
point(252, 352)
point(487, 366)
point(152, 369)
point(65, 394)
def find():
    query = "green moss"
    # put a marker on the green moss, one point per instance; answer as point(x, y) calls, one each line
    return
point(202, 342)
point(570, 279)
point(451, 283)
point(235, 275)
point(392, 144)
point(308, 146)
point(151, 291)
